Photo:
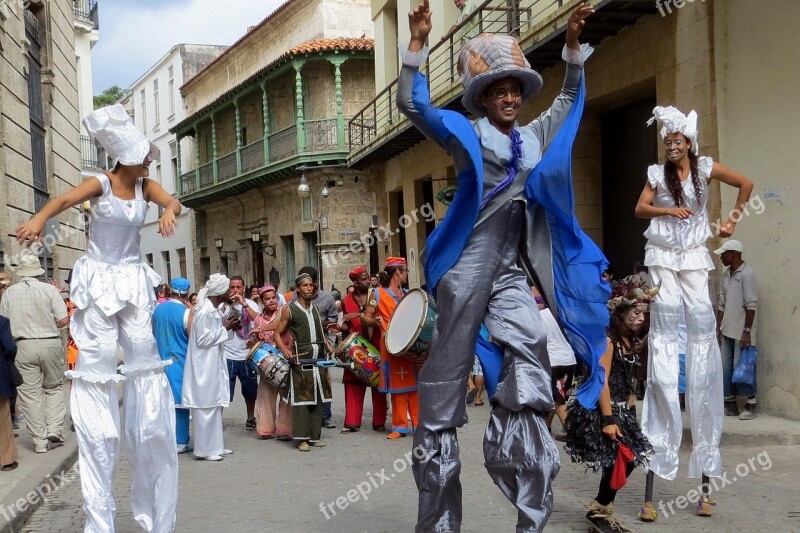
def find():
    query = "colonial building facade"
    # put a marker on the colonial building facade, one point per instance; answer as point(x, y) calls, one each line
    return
point(40, 142)
point(269, 115)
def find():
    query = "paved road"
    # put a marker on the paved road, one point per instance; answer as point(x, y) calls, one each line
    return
point(269, 486)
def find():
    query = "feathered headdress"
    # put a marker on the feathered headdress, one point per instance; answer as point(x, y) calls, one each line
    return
point(628, 292)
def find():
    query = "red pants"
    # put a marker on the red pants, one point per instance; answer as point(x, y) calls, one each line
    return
point(354, 405)
point(403, 405)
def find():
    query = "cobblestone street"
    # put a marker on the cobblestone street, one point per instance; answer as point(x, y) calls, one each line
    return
point(269, 486)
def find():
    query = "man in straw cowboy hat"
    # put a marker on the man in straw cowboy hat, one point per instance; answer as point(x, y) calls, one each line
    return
point(511, 221)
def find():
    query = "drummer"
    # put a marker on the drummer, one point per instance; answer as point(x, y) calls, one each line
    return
point(273, 416)
point(356, 321)
point(309, 389)
point(398, 375)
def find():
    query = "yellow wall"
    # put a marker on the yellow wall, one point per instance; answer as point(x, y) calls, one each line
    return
point(756, 65)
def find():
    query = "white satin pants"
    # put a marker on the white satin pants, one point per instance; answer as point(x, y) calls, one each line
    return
point(661, 414)
point(149, 419)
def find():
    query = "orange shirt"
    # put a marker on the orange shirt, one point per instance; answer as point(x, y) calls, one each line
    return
point(398, 374)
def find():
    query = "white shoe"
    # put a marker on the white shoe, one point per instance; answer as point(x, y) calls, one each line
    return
point(226, 451)
point(214, 458)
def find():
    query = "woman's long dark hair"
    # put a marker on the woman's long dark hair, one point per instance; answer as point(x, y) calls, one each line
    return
point(674, 183)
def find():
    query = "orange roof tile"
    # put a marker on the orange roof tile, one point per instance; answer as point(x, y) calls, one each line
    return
point(329, 45)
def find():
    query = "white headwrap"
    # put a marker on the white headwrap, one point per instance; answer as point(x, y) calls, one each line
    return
point(216, 285)
point(673, 121)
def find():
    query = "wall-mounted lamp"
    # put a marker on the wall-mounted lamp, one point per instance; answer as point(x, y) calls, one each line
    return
point(267, 249)
point(303, 191)
point(228, 254)
point(325, 191)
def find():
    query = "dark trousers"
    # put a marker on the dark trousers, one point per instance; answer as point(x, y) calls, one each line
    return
point(307, 421)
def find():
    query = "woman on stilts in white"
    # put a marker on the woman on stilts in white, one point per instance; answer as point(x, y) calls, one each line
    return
point(675, 198)
point(206, 388)
point(112, 288)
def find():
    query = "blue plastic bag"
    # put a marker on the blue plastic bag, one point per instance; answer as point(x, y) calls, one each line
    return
point(746, 368)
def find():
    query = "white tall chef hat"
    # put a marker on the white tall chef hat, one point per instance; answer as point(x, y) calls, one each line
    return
point(114, 129)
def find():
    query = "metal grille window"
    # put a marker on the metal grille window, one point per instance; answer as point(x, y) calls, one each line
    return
point(201, 229)
point(36, 112)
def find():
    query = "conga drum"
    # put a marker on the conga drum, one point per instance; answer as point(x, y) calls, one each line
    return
point(365, 357)
point(411, 326)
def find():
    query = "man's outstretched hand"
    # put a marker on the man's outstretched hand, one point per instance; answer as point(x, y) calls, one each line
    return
point(576, 23)
point(419, 24)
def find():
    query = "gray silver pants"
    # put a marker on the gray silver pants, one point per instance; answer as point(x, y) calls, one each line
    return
point(487, 285)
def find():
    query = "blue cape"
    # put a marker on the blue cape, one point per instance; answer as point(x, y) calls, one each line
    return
point(578, 264)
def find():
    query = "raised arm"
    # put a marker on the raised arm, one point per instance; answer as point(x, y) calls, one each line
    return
point(546, 125)
point(210, 330)
point(153, 192)
point(413, 98)
point(32, 229)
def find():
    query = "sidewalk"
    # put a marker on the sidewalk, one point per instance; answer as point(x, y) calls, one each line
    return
point(21, 490)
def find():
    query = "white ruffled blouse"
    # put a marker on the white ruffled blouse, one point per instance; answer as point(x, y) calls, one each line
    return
point(674, 243)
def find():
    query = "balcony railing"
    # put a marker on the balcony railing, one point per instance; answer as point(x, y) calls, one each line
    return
point(283, 144)
point(253, 155)
point(92, 154)
point(226, 167)
point(86, 11)
point(188, 180)
point(381, 117)
point(207, 175)
point(321, 135)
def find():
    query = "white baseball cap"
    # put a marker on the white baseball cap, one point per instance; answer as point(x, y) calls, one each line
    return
point(731, 244)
